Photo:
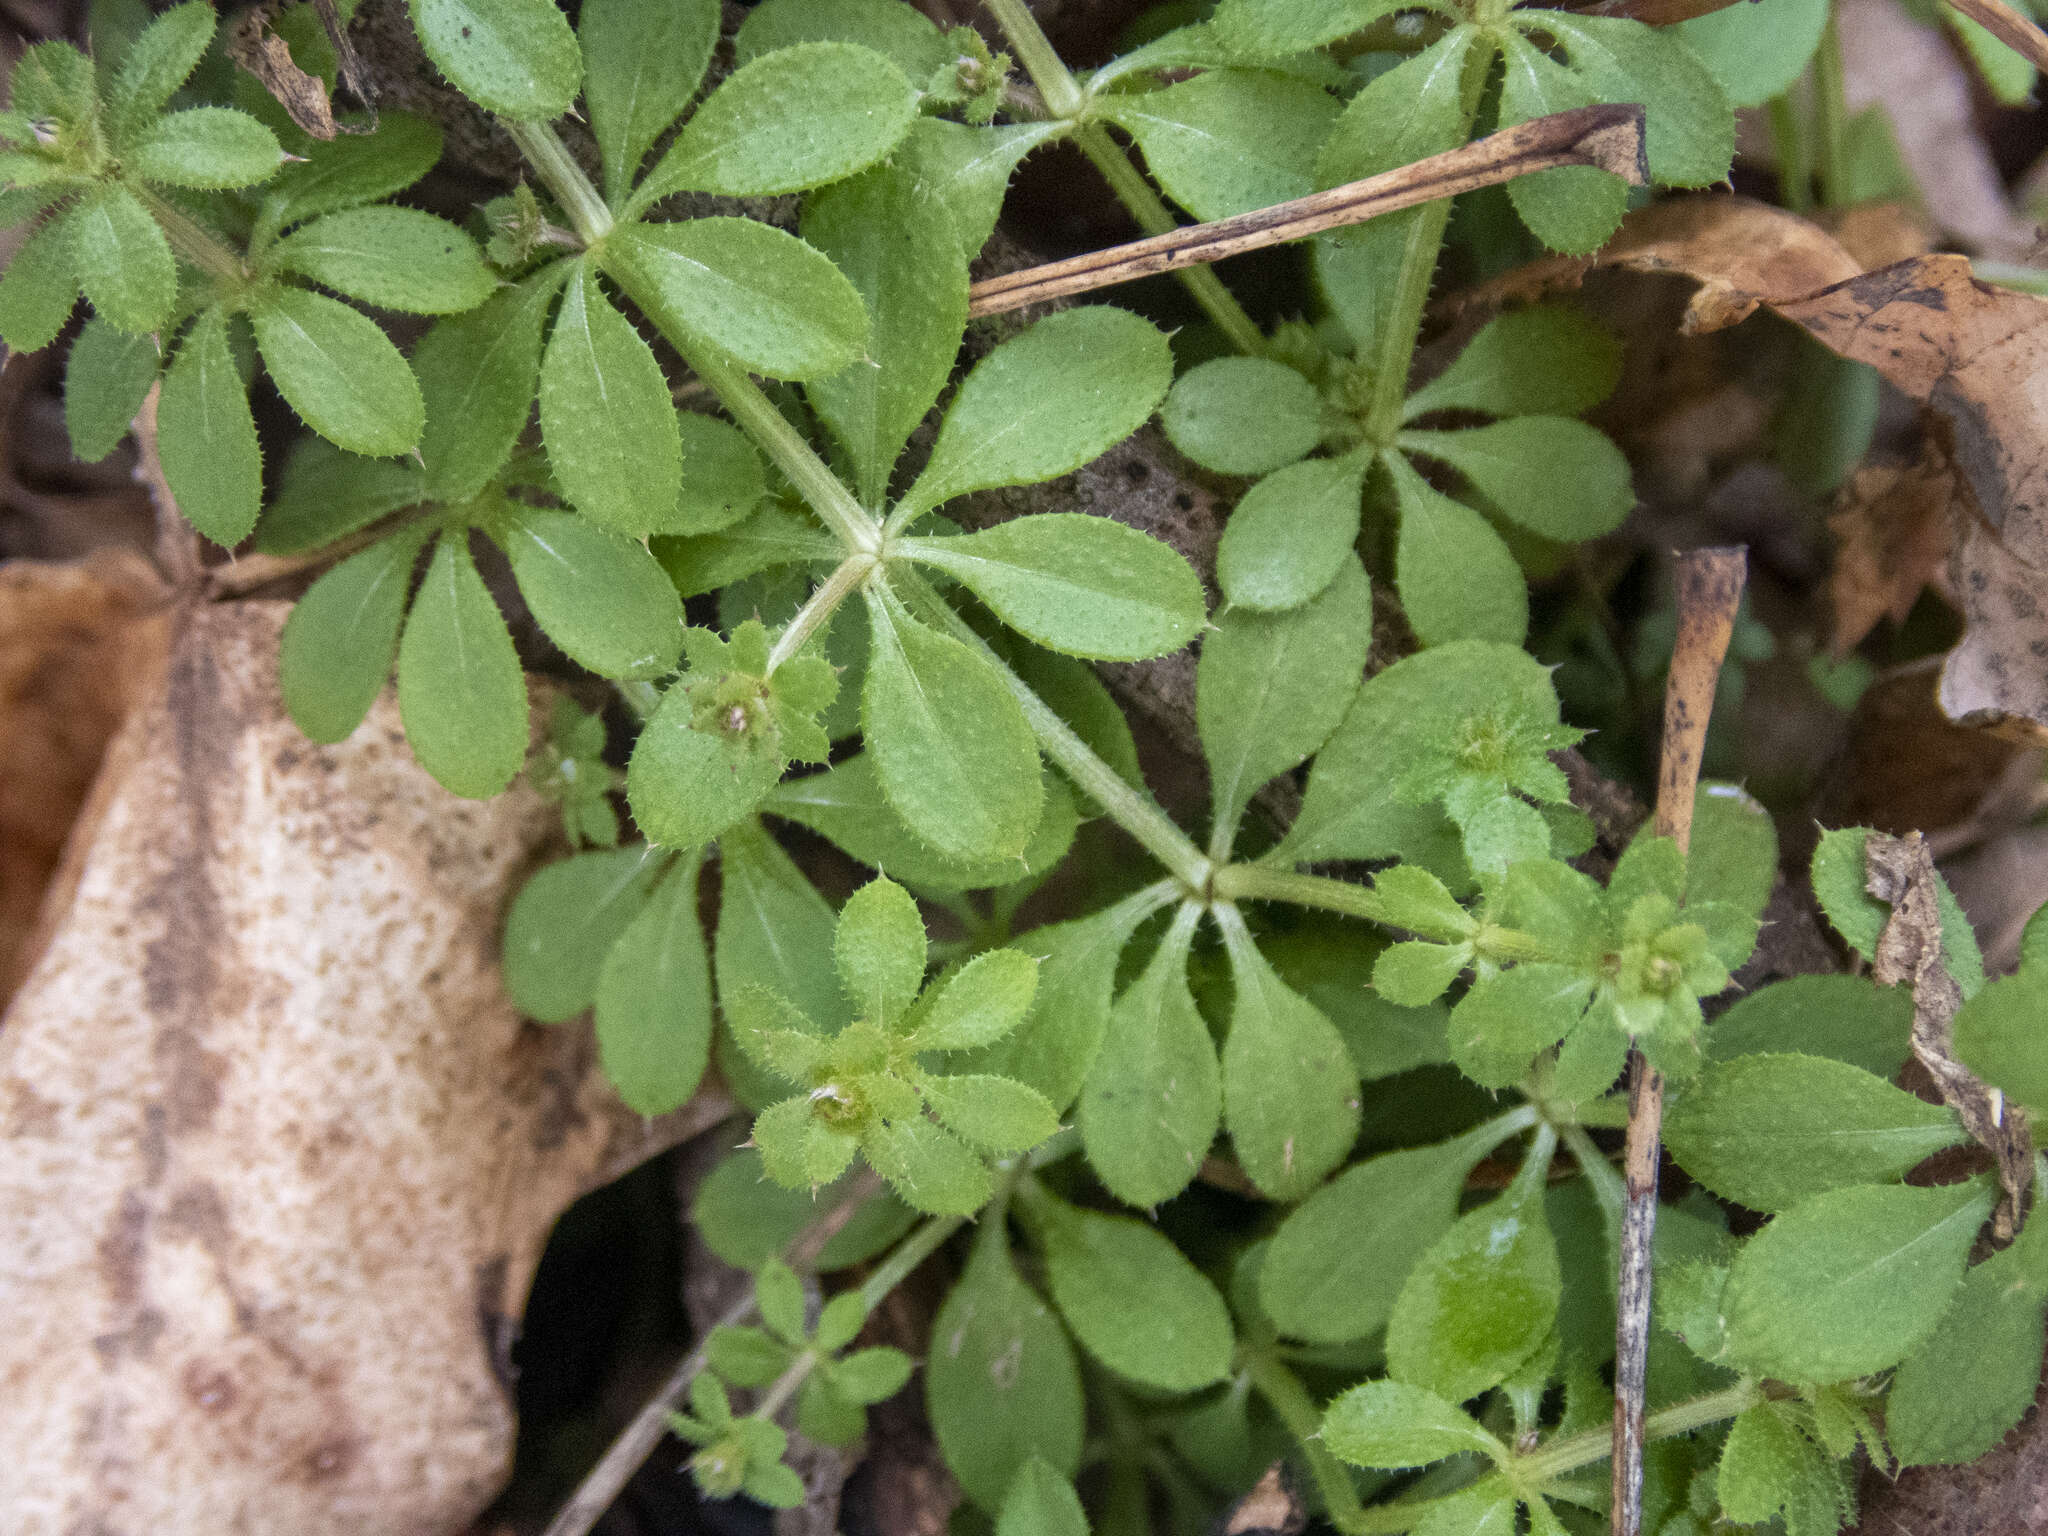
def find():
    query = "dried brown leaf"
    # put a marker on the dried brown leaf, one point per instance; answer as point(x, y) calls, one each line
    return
point(1891, 528)
point(252, 45)
point(277, 1156)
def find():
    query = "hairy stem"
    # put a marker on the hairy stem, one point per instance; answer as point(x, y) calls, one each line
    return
point(1057, 87)
point(1583, 1450)
point(561, 175)
point(1129, 808)
point(1155, 218)
point(1291, 1404)
point(819, 607)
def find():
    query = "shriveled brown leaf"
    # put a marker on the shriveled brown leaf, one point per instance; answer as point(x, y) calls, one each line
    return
point(1900, 871)
point(1272, 1508)
point(1891, 528)
point(252, 45)
point(277, 1156)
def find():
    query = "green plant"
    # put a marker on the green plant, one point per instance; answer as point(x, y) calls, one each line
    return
point(763, 585)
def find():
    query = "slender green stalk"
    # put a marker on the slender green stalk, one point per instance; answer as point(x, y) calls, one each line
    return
point(1261, 882)
point(1057, 87)
point(819, 607)
point(1794, 153)
point(189, 238)
point(1292, 1405)
point(1831, 112)
point(908, 1254)
point(1609, 1190)
point(1595, 1445)
point(1155, 218)
point(1129, 808)
point(561, 175)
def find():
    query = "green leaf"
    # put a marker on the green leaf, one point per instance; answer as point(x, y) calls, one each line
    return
point(1082, 585)
point(1290, 1097)
point(339, 641)
point(870, 1375)
point(53, 80)
point(352, 169)
point(1131, 1298)
point(723, 480)
point(1056, 1045)
point(476, 375)
point(1480, 1302)
point(1957, 1395)
point(161, 59)
point(1734, 856)
point(599, 596)
point(1839, 885)
point(1243, 415)
point(460, 689)
point(1229, 141)
point(847, 805)
point(879, 949)
point(606, 417)
point(1291, 534)
point(993, 1113)
point(774, 931)
point(644, 61)
point(563, 924)
point(692, 779)
point(1998, 1035)
point(1456, 577)
point(1511, 1015)
point(393, 258)
point(106, 379)
point(979, 1003)
point(338, 371)
point(326, 494)
point(1153, 1099)
point(2011, 76)
point(1001, 1382)
point(207, 147)
point(930, 1168)
point(1276, 28)
point(1553, 475)
point(969, 169)
point(206, 436)
point(1846, 1018)
point(1759, 51)
point(1849, 1282)
point(745, 1357)
point(1575, 208)
point(1416, 973)
point(789, 120)
point(1392, 1424)
point(1541, 361)
point(748, 289)
point(516, 58)
point(970, 794)
point(120, 258)
point(1770, 1467)
point(1767, 1131)
point(1339, 1260)
point(1323, 959)
point(1270, 688)
point(654, 1000)
point(1041, 1502)
point(1689, 128)
point(897, 243)
point(40, 287)
point(896, 31)
point(1046, 402)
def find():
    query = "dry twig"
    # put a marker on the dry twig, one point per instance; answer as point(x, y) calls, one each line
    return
point(1709, 590)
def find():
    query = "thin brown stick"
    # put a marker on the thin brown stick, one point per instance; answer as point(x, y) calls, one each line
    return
point(1609, 138)
point(2009, 27)
point(1709, 591)
point(636, 1442)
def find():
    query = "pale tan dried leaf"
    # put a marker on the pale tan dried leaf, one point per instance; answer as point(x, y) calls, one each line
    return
point(252, 45)
point(277, 1157)
point(1891, 528)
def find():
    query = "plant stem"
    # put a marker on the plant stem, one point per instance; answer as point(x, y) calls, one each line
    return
point(1291, 1404)
point(1794, 153)
point(1057, 87)
point(908, 1254)
point(1583, 1450)
point(1129, 808)
point(819, 607)
point(561, 175)
point(1831, 112)
point(189, 238)
point(1155, 218)
point(1609, 1189)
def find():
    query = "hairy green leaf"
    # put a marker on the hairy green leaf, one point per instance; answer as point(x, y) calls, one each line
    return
point(206, 436)
point(39, 289)
point(1758, 51)
point(564, 922)
point(1689, 128)
point(1509, 1016)
point(339, 371)
point(1553, 475)
point(979, 1003)
point(460, 690)
point(598, 595)
point(1846, 1018)
point(393, 258)
point(1243, 415)
point(891, 28)
point(879, 949)
point(606, 417)
point(1291, 534)
point(644, 61)
point(326, 494)
point(160, 60)
point(1456, 577)
point(340, 639)
point(1998, 1035)
point(653, 1000)
point(476, 374)
point(106, 379)
point(207, 147)
point(120, 258)
point(1392, 1424)
point(516, 58)
point(995, 1114)
point(1041, 1502)
point(1545, 360)
point(1229, 141)
point(1276, 28)
point(1086, 586)
point(1290, 1096)
point(1575, 208)
point(352, 169)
